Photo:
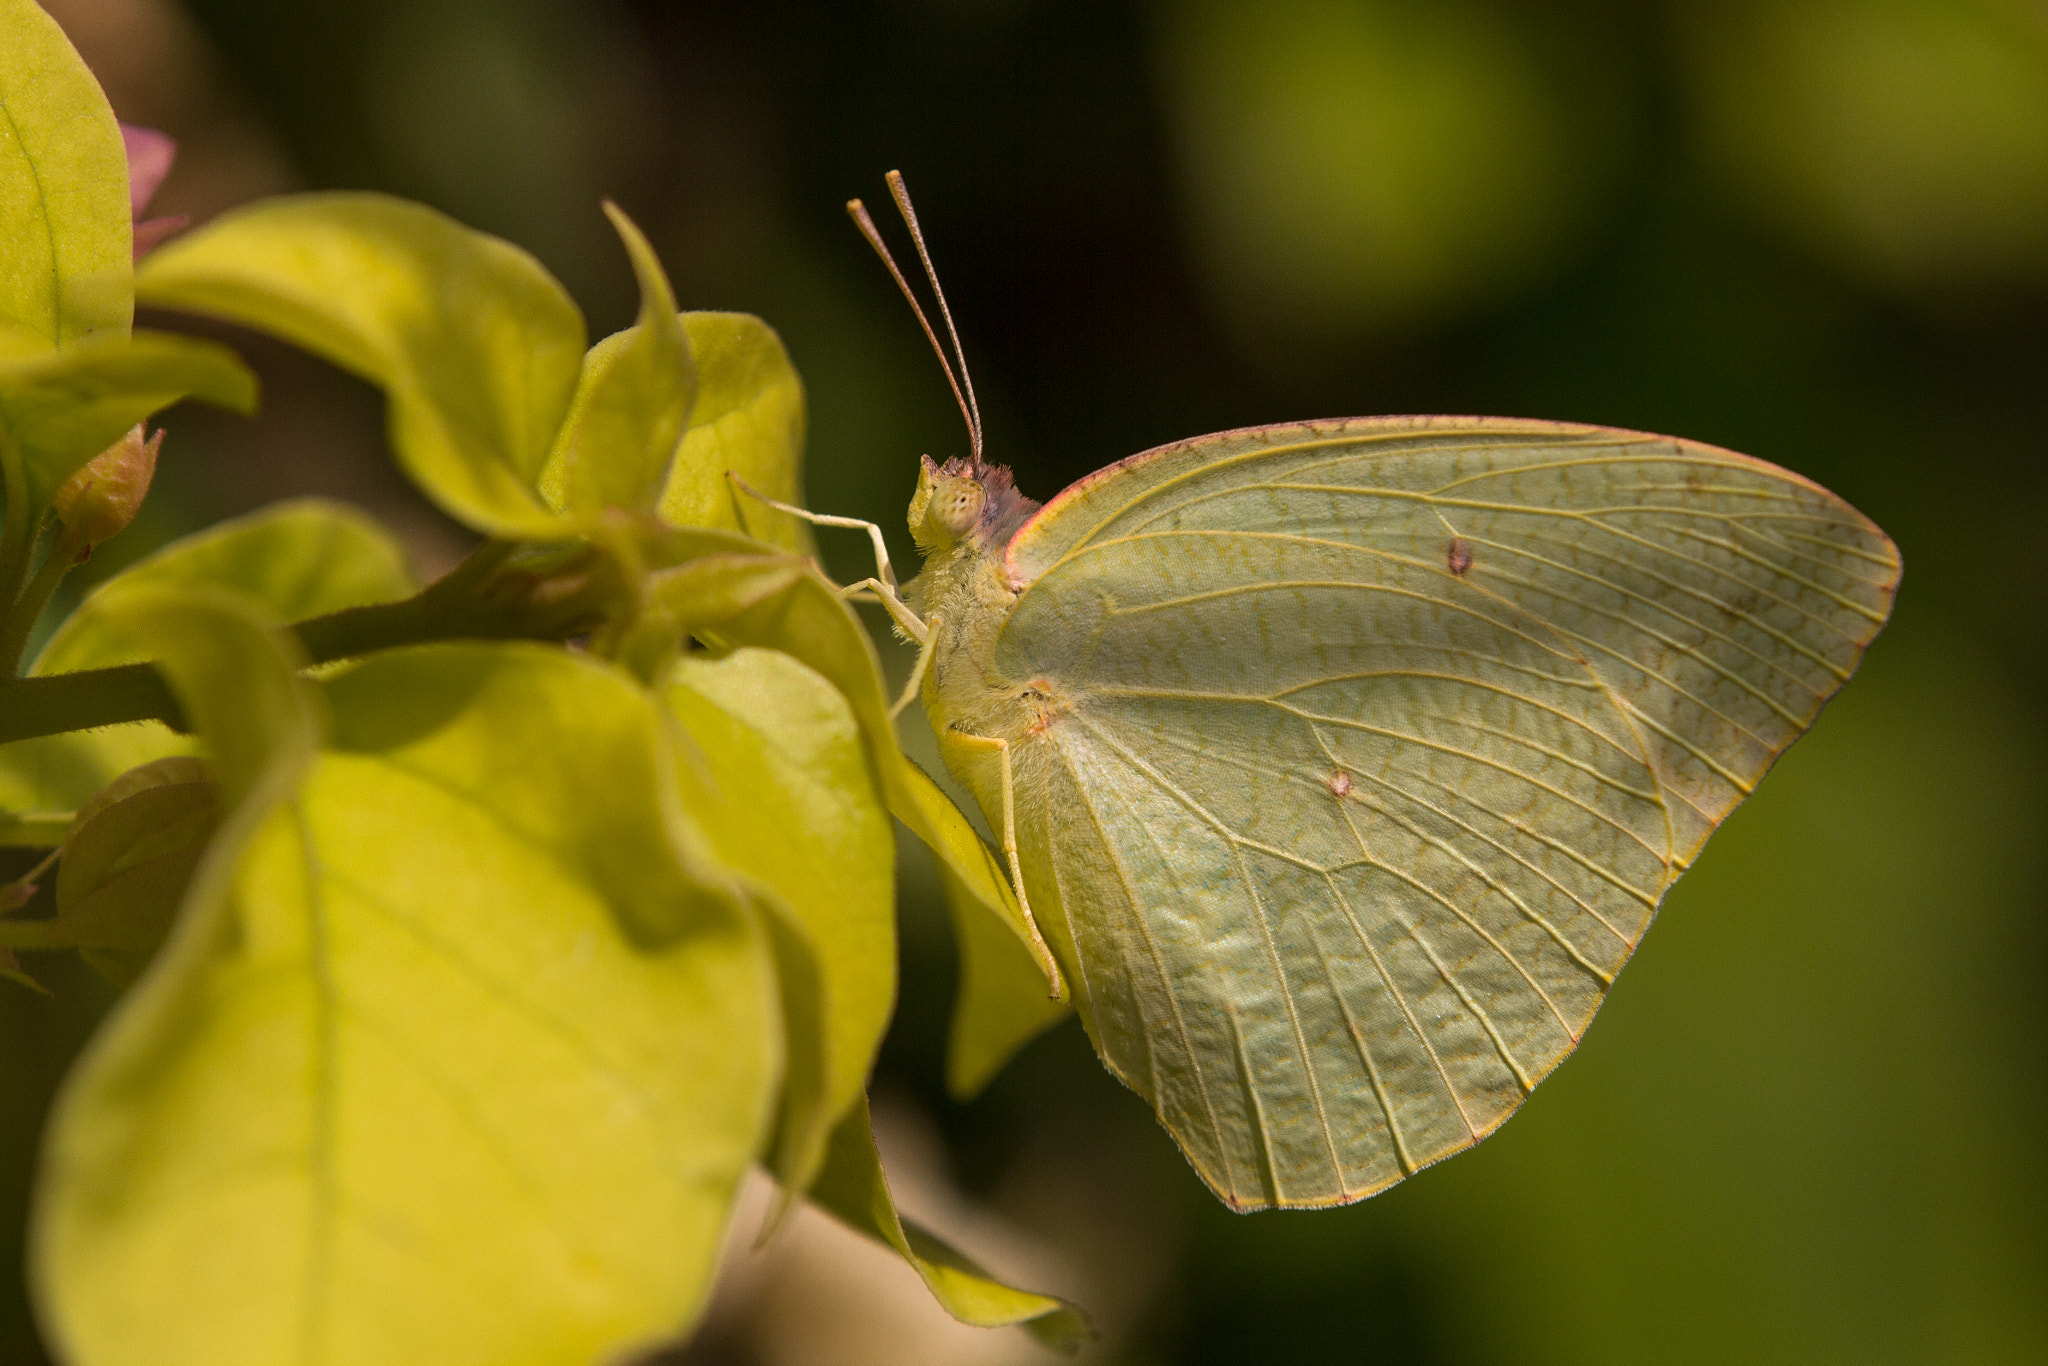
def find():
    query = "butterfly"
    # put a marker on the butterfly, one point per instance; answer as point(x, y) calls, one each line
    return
point(1342, 765)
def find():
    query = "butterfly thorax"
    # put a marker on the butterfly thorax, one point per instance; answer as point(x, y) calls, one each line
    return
point(963, 518)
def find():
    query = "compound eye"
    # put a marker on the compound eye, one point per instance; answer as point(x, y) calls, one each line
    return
point(956, 506)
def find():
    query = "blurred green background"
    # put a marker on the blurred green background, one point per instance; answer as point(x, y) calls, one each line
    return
point(1808, 1126)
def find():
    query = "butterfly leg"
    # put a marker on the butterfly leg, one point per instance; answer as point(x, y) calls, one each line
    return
point(917, 670)
point(1040, 950)
point(907, 621)
point(883, 584)
point(884, 571)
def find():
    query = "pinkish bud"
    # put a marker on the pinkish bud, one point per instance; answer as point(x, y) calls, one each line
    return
point(150, 155)
point(151, 231)
point(102, 498)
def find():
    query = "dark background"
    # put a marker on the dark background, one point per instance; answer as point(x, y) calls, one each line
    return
point(1808, 1126)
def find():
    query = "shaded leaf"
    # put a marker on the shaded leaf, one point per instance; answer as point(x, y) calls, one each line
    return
point(631, 402)
point(1001, 1002)
point(749, 420)
point(64, 244)
point(854, 1189)
point(62, 408)
point(467, 978)
point(128, 860)
point(475, 345)
point(977, 872)
point(776, 774)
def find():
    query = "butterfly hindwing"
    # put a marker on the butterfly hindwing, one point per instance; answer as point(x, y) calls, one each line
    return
point(1383, 741)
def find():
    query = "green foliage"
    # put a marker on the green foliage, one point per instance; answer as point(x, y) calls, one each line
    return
point(749, 420)
point(463, 983)
point(475, 986)
point(298, 559)
point(61, 408)
point(772, 760)
point(476, 347)
point(127, 860)
point(854, 1188)
point(631, 402)
point(64, 229)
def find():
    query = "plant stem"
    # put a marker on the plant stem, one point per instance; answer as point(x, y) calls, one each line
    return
point(18, 622)
point(17, 532)
point(34, 934)
point(34, 829)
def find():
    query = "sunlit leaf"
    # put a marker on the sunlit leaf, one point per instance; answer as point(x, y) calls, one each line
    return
point(749, 421)
point(62, 408)
point(467, 1070)
point(853, 1188)
point(631, 402)
point(64, 226)
point(775, 773)
point(809, 620)
point(476, 347)
point(297, 559)
point(301, 558)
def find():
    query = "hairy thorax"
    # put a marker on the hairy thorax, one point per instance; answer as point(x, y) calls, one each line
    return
point(965, 597)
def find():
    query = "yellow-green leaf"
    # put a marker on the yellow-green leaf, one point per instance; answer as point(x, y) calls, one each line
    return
point(774, 771)
point(812, 622)
point(61, 408)
point(472, 1079)
point(64, 220)
point(854, 1189)
point(1005, 1000)
point(749, 421)
point(475, 345)
point(297, 559)
point(632, 400)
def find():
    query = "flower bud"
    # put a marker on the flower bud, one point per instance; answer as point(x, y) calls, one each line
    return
point(101, 499)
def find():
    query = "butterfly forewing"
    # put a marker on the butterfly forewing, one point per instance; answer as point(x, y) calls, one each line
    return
point(1383, 740)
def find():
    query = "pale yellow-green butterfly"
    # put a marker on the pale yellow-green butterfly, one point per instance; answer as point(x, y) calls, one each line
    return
point(1343, 764)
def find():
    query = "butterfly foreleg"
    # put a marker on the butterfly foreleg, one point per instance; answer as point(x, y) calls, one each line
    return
point(915, 684)
point(884, 571)
point(907, 621)
point(1040, 950)
point(883, 584)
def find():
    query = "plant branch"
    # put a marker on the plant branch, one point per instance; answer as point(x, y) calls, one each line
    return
point(34, 829)
point(18, 622)
point(502, 592)
point(17, 538)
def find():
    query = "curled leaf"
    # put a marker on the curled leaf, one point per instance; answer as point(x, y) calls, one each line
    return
point(855, 1190)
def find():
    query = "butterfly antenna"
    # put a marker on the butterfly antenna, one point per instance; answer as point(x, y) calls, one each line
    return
point(895, 179)
point(968, 413)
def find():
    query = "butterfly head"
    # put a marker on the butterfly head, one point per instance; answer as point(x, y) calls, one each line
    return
point(965, 500)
